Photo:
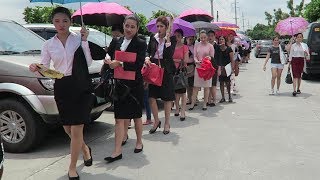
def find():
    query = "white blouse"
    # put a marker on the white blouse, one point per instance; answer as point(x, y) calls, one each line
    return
point(125, 44)
point(297, 50)
point(62, 57)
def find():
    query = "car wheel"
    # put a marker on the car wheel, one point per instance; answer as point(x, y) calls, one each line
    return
point(21, 128)
point(95, 116)
point(306, 76)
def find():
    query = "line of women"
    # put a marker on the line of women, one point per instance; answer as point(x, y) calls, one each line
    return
point(298, 54)
point(70, 52)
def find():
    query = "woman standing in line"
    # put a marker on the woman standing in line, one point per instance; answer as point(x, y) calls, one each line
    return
point(180, 57)
point(73, 101)
point(190, 64)
point(276, 65)
point(225, 58)
point(214, 60)
point(161, 48)
point(299, 52)
point(131, 106)
point(201, 50)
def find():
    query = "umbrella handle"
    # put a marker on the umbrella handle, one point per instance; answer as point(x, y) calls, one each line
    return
point(81, 13)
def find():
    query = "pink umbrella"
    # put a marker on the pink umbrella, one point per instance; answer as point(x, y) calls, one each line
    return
point(101, 14)
point(193, 15)
point(291, 26)
point(226, 25)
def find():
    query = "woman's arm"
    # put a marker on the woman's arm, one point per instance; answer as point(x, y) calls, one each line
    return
point(195, 54)
point(45, 55)
point(266, 61)
point(291, 52)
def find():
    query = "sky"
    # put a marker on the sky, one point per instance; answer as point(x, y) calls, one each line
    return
point(252, 10)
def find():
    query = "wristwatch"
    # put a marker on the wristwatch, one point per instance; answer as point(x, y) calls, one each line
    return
point(121, 64)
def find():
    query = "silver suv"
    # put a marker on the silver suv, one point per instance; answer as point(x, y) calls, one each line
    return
point(27, 105)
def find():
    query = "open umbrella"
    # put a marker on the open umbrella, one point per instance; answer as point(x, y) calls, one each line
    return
point(186, 27)
point(193, 15)
point(205, 25)
point(206, 70)
point(225, 32)
point(226, 25)
point(66, 2)
point(101, 14)
point(291, 26)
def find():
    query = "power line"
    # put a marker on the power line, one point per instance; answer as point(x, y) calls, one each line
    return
point(235, 11)
point(159, 6)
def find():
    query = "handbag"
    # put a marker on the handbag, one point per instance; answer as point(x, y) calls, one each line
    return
point(190, 70)
point(180, 79)
point(289, 77)
point(152, 73)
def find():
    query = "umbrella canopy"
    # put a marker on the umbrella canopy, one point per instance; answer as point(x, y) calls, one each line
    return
point(193, 15)
point(226, 25)
point(101, 14)
point(291, 26)
point(205, 25)
point(243, 37)
point(64, 1)
point(186, 27)
point(206, 70)
point(225, 32)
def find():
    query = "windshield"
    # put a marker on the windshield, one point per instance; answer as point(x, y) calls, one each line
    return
point(98, 38)
point(266, 43)
point(17, 39)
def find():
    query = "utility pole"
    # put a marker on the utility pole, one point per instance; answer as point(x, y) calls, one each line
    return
point(211, 1)
point(243, 21)
point(235, 11)
point(217, 16)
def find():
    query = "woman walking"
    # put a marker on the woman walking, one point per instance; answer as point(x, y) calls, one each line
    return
point(225, 59)
point(299, 53)
point(161, 48)
point(74, 99)
point(277, 64)
point(129, 107)
point(214, 60)
point(190, 66)
point(180, 57)
point(201, 50)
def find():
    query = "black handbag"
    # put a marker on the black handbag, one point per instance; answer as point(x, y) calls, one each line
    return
point(180, 79)
point(289, 77)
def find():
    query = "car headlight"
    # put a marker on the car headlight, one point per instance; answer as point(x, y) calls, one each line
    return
point(47, 84)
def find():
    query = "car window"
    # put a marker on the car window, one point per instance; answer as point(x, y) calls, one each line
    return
point(16, 38)
point(315, 35)
point(98, 38)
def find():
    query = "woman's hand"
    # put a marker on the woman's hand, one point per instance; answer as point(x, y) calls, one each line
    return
point(112, 63)
point(147, 61)
point(33, 67)
point(84, 33)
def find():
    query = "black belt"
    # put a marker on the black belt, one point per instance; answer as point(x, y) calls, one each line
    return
point(188, 64)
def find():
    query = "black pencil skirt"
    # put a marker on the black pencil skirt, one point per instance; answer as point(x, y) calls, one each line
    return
point(74, 106)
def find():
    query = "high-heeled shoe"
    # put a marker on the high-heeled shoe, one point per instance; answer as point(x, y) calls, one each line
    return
point(176, 114)
point(74, 178)
point(182, 118)
point(165, 132)
point(112, 159)
point(138, 150)
point(89, 161)
point(190, 109)
point(155, 129)
point(125, 142)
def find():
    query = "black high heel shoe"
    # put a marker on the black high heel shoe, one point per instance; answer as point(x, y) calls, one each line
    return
point(165, 132)
point(125, 142)
point(112, 159)
point(89, 161)
point(74, 178)
point(155, 129)
point(190, 109)
point(138, 150)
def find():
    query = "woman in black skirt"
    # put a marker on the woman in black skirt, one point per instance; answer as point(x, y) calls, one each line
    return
point(71, 56)
point(129, 107)
point(161, 47)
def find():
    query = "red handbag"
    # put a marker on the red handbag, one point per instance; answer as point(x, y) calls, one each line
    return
point(152, 73)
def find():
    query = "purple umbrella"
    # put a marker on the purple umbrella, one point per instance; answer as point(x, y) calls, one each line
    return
point(291, 26)
point(186, 27)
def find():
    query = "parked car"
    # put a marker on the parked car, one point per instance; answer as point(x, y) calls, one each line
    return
point(312, 38)
point(47, 31)
point(262, 47)
point(27, 104)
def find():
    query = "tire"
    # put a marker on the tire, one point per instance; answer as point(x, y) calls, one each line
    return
point(306, 76)
point(95, 116)
point(21, 128)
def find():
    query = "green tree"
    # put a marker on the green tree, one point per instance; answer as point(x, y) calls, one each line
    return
point(261, 31)
point(312, 11)
point(143, 22)
point(156, 14)
point(38, 14)
point(295, 11)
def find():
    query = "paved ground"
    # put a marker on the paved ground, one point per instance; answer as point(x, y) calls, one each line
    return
point(257, 137)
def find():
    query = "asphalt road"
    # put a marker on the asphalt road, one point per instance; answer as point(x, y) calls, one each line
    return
point(256, 137)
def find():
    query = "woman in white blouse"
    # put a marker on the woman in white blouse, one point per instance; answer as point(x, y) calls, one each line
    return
point(73, 97)
point(299, 52)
